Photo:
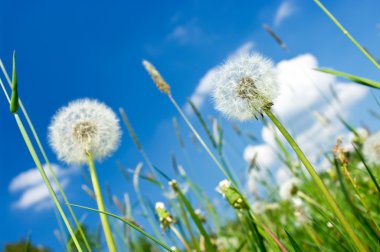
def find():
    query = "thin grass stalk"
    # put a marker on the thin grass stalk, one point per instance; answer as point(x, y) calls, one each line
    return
point(129, 224)
point(319, 183)
point(181, 238)
point(204, 145)
point(188, 227)
point(36, 160)
point(345, 32)
point(142, 203)
point(46, 180)
point(99, 200)
point(42, 150)
point(359, 196)
point(367, 168)
point(197, 222)
point(137, 142)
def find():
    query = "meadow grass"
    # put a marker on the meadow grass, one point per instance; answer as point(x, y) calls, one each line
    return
point(336, 209)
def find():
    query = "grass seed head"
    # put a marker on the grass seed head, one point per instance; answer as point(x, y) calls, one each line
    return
point(157, 78)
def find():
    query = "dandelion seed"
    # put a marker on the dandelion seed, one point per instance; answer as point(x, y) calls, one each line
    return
point(371, 149)
point(84, 126)
point(289, 188)
point(245, 86)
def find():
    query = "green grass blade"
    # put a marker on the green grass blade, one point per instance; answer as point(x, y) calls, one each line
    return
point(197, 221)
point(367, 168)
point(14, 100)
point(203, 123)
point(345, 32)
point(129, 224)
point(354, 78)
point(295, 246)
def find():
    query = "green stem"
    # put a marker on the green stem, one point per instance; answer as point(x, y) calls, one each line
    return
point(46, 180)
point(35, 135)
point(317, 180)
point(345, 32)
point(99, 200)
point(181, 238)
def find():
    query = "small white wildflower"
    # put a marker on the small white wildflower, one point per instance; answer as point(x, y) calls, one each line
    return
point(222, 186)
point(371, 149)
point(160, 205)
point(84, 125)
point(289, 188)
point(245, 85)
point(329, 225)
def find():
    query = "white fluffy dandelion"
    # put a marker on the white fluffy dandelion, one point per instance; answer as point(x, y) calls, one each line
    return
point(371, 149)
point(245, 86)
point(289, 188)
point(84, 126)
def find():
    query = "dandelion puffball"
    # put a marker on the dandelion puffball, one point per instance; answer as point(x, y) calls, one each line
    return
point(289, 188)
point(371, 149)
point(81, 127)
point(246, 85)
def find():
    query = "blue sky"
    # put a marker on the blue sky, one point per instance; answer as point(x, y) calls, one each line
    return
point(69, 49)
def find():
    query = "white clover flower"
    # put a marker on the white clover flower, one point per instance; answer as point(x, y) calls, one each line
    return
point(289, 188)
point(222, 186)
point(371, 149)
point(160, 205)
point(245, 85)
point(84, 126)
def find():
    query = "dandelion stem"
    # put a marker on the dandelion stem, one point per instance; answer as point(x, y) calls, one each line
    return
point(318, 181)
point(345, 32)
point(99, 200)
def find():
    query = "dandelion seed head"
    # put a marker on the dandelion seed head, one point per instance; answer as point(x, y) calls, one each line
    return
point(84, 126)
point(245, 86)
point(289, 188)
point(371, 149)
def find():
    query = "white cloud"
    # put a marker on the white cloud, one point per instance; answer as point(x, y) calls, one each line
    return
point(34, 193)
point(206, 84)
point(188, 33)
point(285, 10)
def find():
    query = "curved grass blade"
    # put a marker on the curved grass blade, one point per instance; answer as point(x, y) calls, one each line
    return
point(197, 221)
point(295, 246)
point(14, 98)
point(345, 32)
point(354, 78)
point(129, 224)
point(367, 168)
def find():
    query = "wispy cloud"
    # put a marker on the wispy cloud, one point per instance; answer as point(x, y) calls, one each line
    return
point(285, 10)
point(189, 33)
point(34, 193)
